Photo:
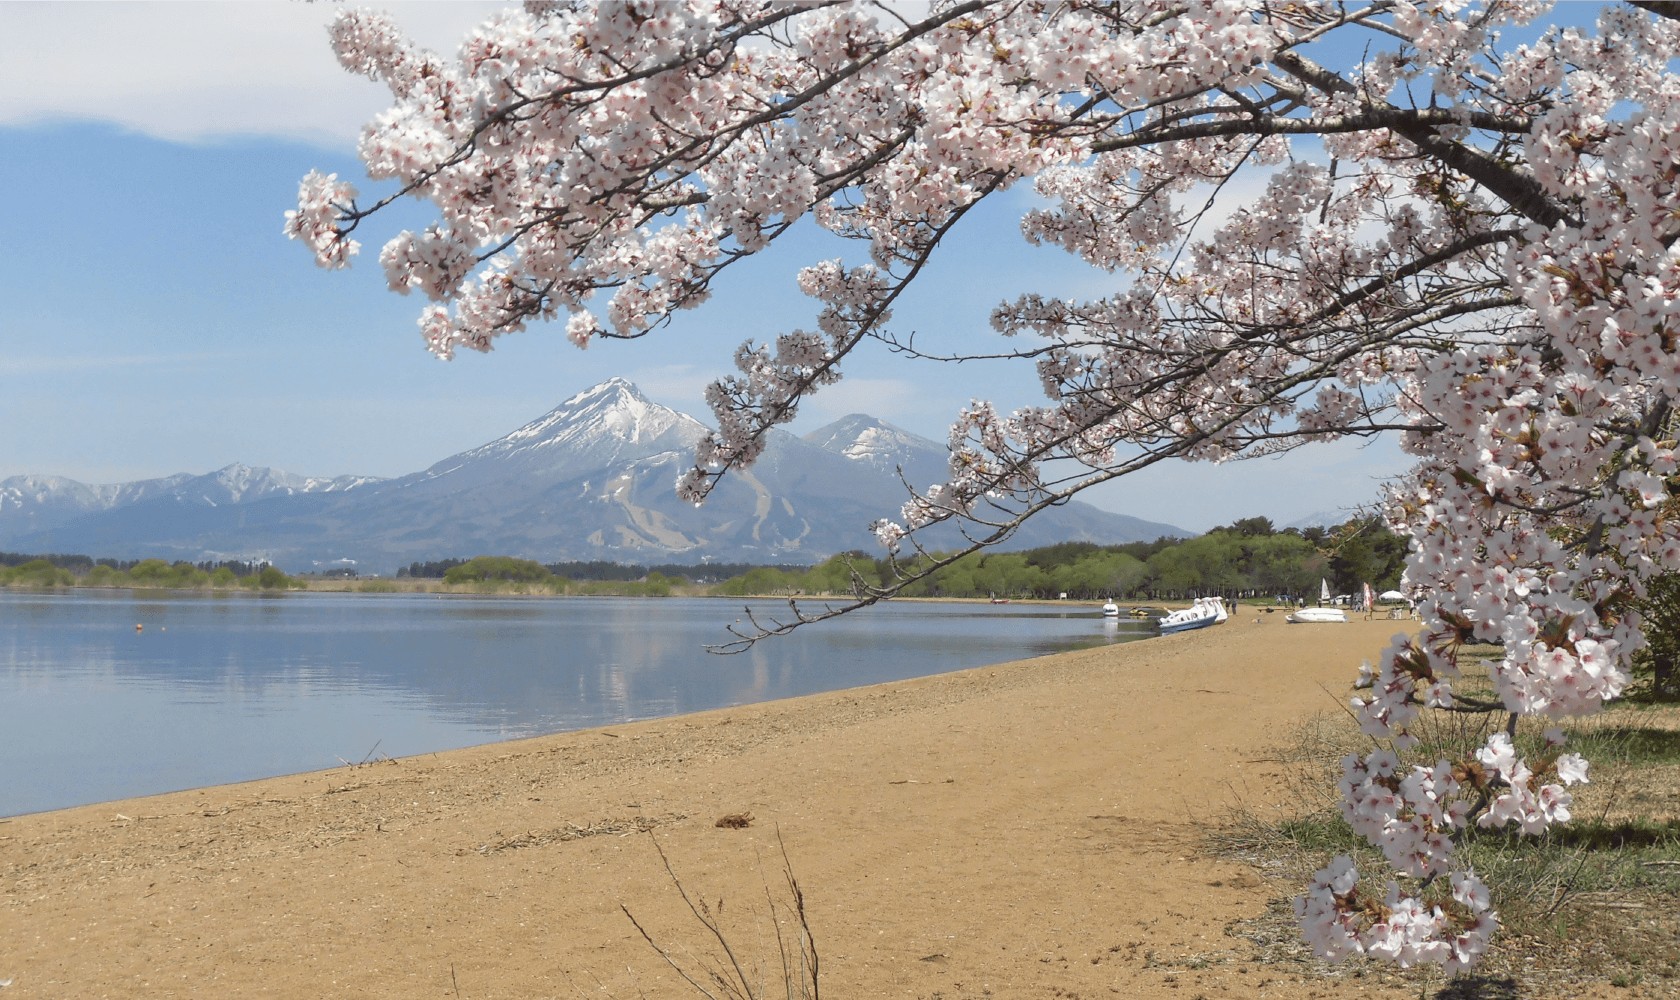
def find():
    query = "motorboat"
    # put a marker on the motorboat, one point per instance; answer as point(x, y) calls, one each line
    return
point(1307, 616)
point(1204, 612)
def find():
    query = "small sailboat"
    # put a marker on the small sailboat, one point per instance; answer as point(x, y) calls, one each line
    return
point(1325, 612)
point(1307, 616)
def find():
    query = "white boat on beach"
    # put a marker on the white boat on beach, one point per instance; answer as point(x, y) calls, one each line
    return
point(1307, 616)
point(1204, 612)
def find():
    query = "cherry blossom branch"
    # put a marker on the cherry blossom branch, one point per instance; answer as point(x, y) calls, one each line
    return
point(1473, 248)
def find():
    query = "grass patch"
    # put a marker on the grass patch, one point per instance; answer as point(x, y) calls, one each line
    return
point(1627, 744)
point(1591, 902)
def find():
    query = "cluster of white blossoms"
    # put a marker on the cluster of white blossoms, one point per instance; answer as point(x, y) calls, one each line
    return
point(1476, 250)
point(322, 201)
point(1532, 808)
point(1340, 922)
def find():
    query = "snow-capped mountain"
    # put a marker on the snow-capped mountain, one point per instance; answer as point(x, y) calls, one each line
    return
point(1328, 518)
point(36, 503)
point(48, 499)
point(882, 446)
point(591, 479)
point(595, 429)
point(241, 483)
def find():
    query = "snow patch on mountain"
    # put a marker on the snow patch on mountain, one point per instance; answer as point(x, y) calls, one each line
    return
point(42, 501)
point(593, 428)
point(1326, 518)
point(880, 445)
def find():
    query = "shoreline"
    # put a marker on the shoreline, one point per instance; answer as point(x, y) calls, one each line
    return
point(1018, 828)
point(433, 587)
point(203, 691)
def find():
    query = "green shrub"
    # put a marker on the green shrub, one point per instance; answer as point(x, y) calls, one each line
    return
point(507, 568)
point(274, 578)
point(36, 573)
point(102, 575)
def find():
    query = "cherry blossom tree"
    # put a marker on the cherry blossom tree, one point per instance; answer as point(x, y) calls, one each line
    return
point(1466, 239)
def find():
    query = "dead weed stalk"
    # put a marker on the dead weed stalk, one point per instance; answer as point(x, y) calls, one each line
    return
point(719, 972)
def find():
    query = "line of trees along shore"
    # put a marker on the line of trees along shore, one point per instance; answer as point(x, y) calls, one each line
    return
point(602, 570)
point(21, 570)
point(1248, 557)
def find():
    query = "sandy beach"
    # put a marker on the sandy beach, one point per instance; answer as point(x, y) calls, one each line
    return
point(1034, 829)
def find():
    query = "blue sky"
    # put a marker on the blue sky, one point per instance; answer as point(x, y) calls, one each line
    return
point(158, 322)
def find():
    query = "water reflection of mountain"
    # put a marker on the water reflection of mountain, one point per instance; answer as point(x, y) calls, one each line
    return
point(236, 687)
point(540, 665)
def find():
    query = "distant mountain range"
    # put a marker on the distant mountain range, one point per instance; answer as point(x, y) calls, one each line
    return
point(591, 479)
point(1329, 518)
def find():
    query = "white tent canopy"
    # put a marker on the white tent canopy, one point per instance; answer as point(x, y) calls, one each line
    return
point(1391, 595)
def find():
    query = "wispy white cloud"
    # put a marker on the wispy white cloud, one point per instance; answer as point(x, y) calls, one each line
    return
point(196, 71)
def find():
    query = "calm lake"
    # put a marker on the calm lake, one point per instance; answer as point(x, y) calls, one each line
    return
point(223, 688)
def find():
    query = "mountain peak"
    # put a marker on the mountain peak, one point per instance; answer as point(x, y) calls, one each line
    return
point(875, 442)
point(597, 426)
point(614, 407)
point(615, 389)
point(852, 426)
